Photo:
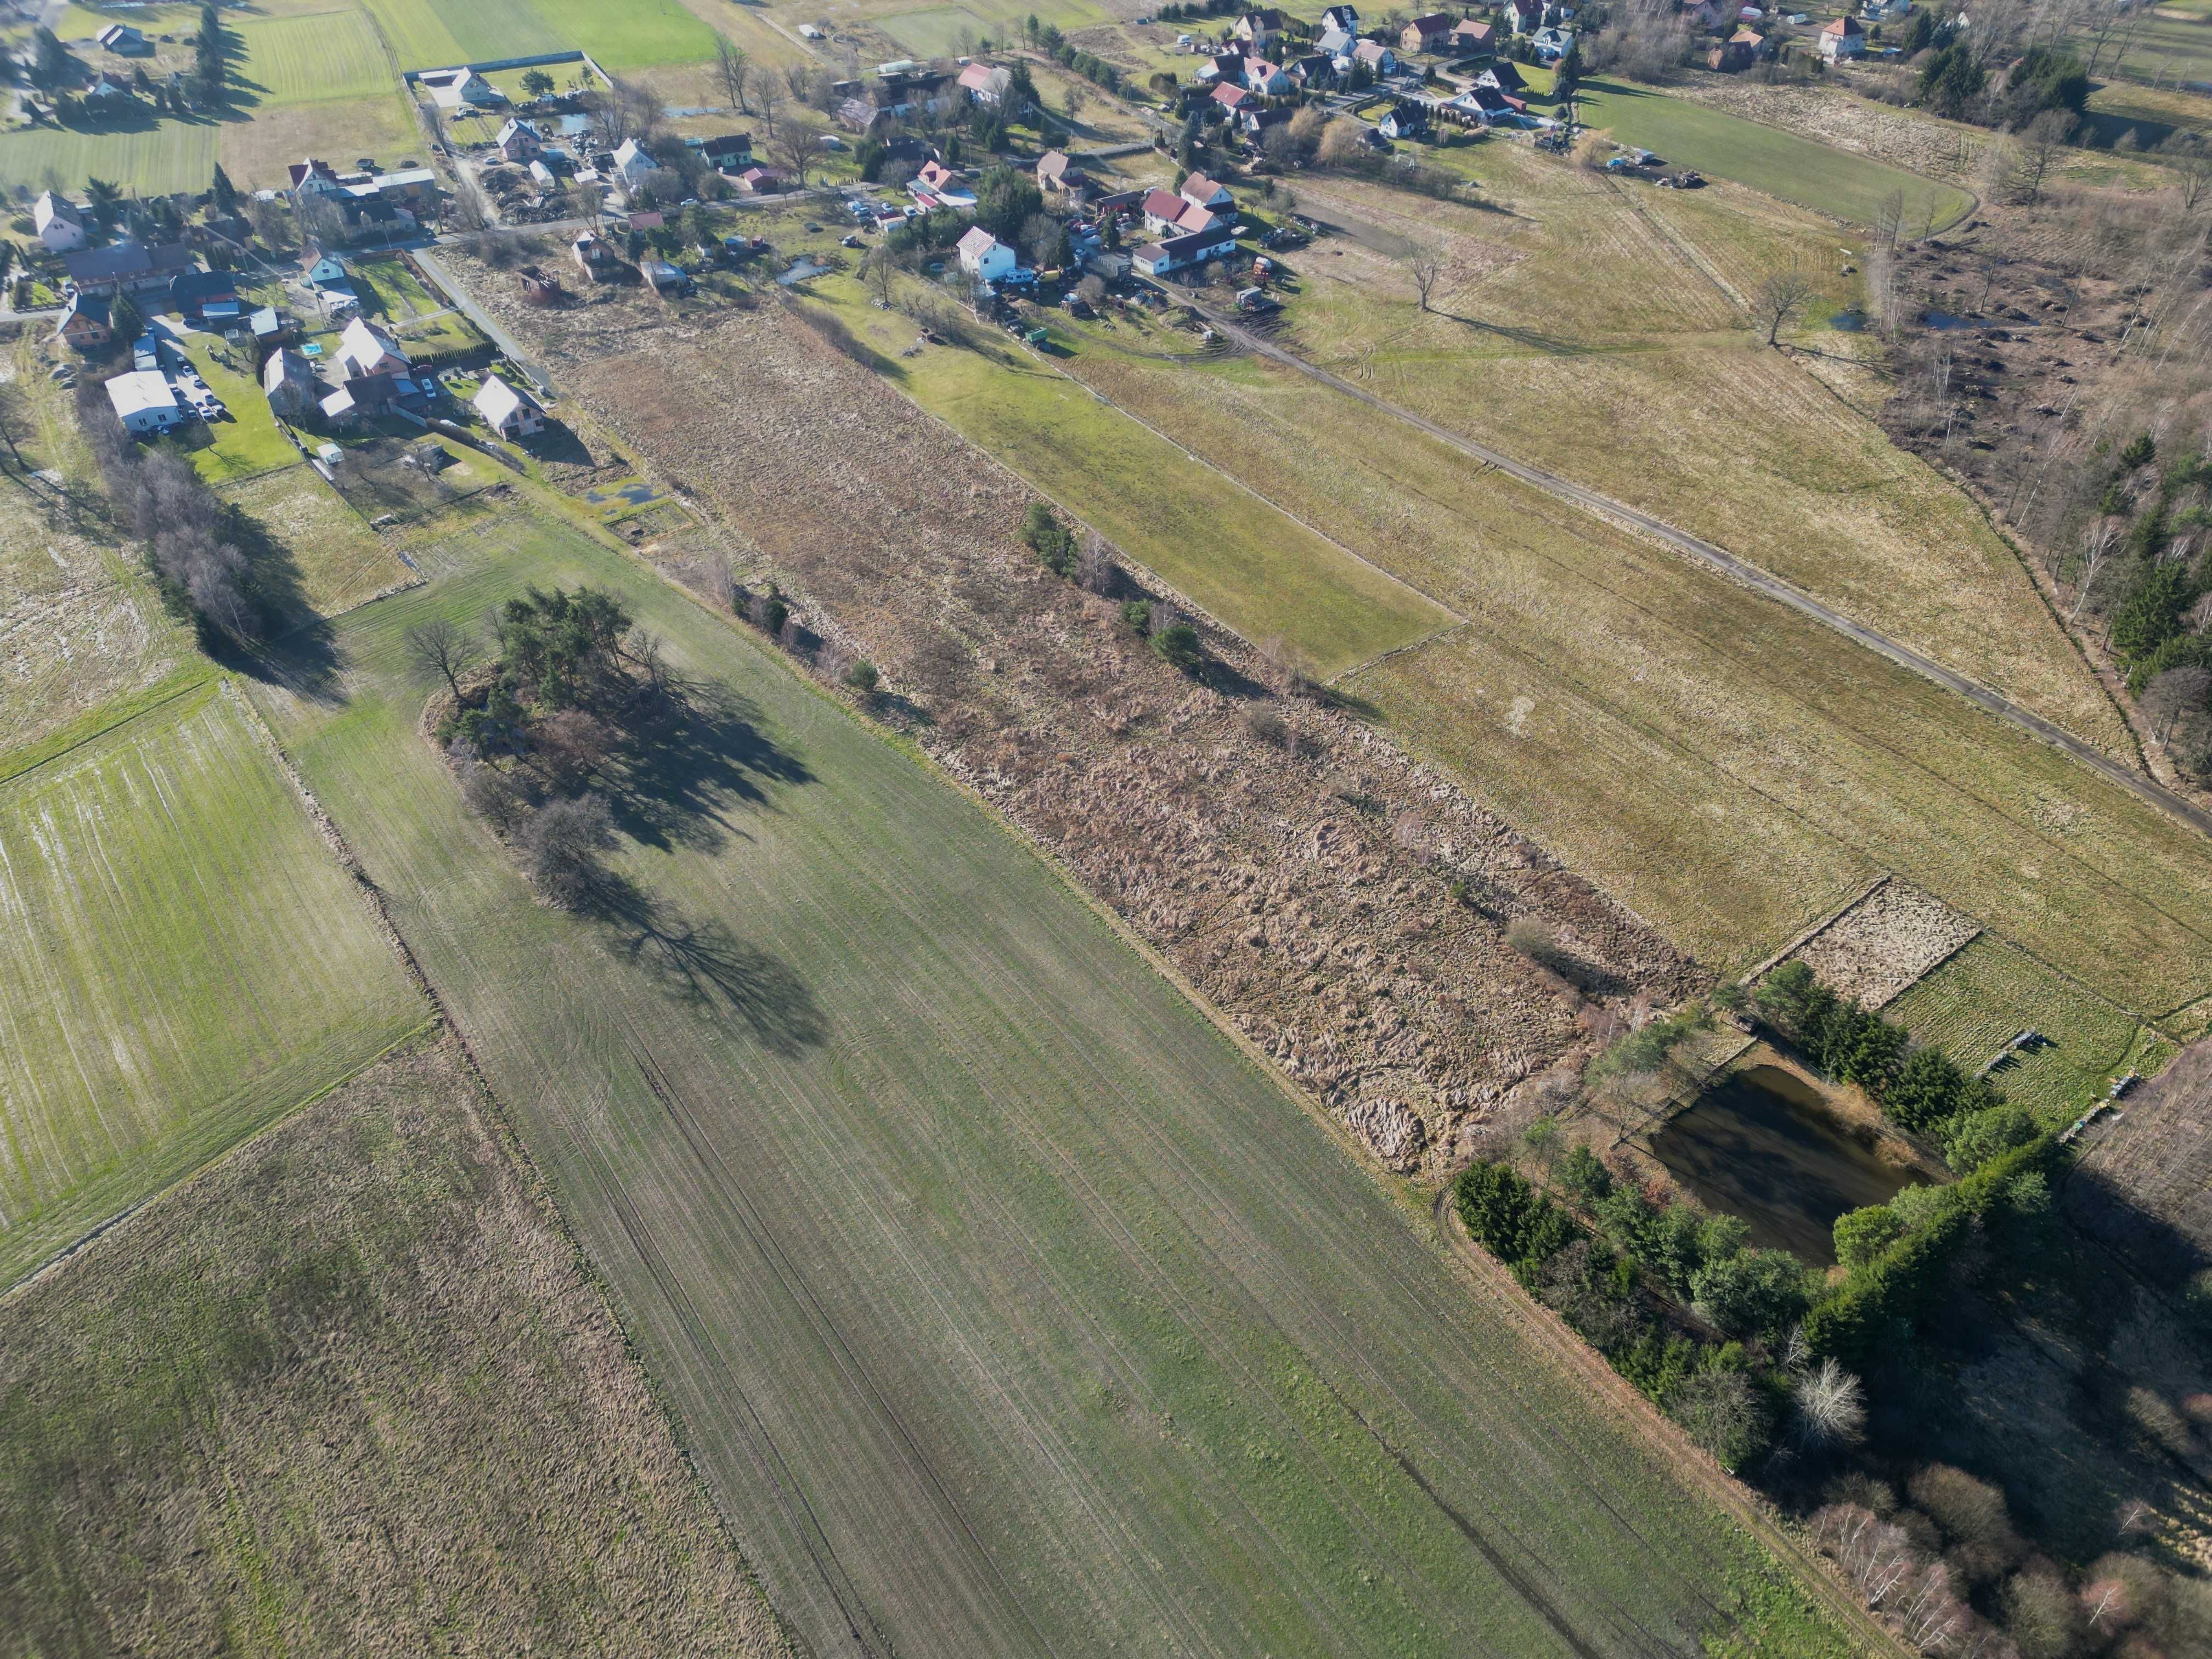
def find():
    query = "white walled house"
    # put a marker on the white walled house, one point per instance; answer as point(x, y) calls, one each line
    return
point(57, 222)
point(506, 411)
point(984, 257)
point(144, 402)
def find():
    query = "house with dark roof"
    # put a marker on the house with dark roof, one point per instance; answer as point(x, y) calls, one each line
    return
point(1222, 70)
point(135, 265)
point(729, 152)
point(1505, 77)
point(1738, 51)
point(1313, 72)
point(289, 382)
point(84, 323)
point(1176, 253)
point(194, 292)
point(1233, 98)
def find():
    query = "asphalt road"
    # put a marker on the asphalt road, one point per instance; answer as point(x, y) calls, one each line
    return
point(1749, 575)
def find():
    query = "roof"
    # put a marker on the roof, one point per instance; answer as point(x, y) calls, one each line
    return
point(141, 390)
point(204, 285)
point(1260, 68)
point(495, 400)
point(338, 403)
point(93, 308)
point(1470, 29)
point(49, 206)
point(1436, 22)
point(976, 242)
point(266, 321)
point(365, 342)
point(1370, 51)
point(1842, 27)
point(285, 365)
point(983, 77)
point(1051, 164)
point(727, 143)
point(1232, 97)
point(516, 125)
point(1164, 204)
point(125, 260)
point(935, 173)
point(1198, 187)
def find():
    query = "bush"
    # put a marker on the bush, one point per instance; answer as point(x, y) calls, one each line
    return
point(1137, 614)
point(1179, 644)
point(1583, 1174)
point(1053, 542)
point(862, 677)
point(1752, 1292)
point(1974, 1139)
point(1721, 1408)
point(562, 846)
point(1862, 1235)
point(1509, 1217)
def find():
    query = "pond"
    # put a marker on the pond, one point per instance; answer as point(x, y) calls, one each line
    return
point(1761, 1144)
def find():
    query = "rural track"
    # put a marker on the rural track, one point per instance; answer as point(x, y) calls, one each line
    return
point(1750, 576)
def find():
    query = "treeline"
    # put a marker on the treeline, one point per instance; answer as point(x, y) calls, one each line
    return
point(1048, 39)
point(1085, 561)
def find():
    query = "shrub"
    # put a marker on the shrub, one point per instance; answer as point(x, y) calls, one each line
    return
point(770, 613)
point(1974, 1139)
point(862, 677)
point(1583, 1174)
point(1137, 614)
point(563, 845)
point(1179, 645)
point(1752, 1292)
point(1721, 1408)
point(1053, 542)
point(1862, 1235)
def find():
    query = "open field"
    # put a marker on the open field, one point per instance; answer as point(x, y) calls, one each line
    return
point(347, 1391)
point(2164, 44)
point(1007, 1307)
point(430, 33)
point(1781, 164)
point(185, 960)
point(1974, 1004)
point(341, 560)
point(314, 57)
point(177, 154)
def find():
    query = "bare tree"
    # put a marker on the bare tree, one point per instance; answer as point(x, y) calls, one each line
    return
point(1428, 263)
point(770, 96)
point(1781, 297)
point(2177, 692)
point(441, 647)
point(794, 145)
point(1829, 1406)
point(2096, 551)
point(876, 270)
point(733, 68)
point(2036, 153)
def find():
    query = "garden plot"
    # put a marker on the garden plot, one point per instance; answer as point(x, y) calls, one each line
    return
point(185, 960)
point(1884, 943)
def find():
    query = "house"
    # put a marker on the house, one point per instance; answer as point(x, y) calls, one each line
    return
point(1527, 16)
point(1406, 120)
point(936, 177)
point(1505, 77)
point(270, 327)
point(313, 177)
point(1233, 98)
point(1313, 72)
point(411, 185)
point(985, 83)
point(636, 168)
point(729, 152)
point(668, 278)
point(105, 91)
point(757, 181)
point(367, 351)
point(85, 323)
point(1336, 45)
point(1378, 57)
point(1223, 70)
point(1259, 29)
point(1477, 39)
point(1842, 38)
point(325, 270)
point(1427, 33)
point(200, 294)
point(366, 210)
point(519, 141)
point(594, 257)
point(1256, 122)
point(1052, 167)
point(1178, 253)
point(58, 222)
point(984, 257)
point(459, 89)
point(125, 41)
point(1738, 51)
point(1265, 79)
point(288, 381)
point(1207, 193)
point(1884, 11)
point(509, 413)
point(1551, 44)
point(126, 265)
point(1163, 210)
point(1342, 18)
point(1484, 105)
point(144, 402)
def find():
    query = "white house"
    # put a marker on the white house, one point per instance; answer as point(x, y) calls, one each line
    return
point(365, 349)
point(519, 141)
point(122, 38)
point(985, 83)
point(506, 411)
point(1842, 38)
point(1343, 19)
point(1206, 192)
point(985, 257)
point(60, 224)
point(637, 170)
point(1376, 55)
point(1259, 29)
point(1883, 11)
point(1336, 45)
point(144, 401)
point(456, 88)
point(1267, 79)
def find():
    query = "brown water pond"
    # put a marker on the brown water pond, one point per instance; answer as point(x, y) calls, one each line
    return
point(1762, 1144)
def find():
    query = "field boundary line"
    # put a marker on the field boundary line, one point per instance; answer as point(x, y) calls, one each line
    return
point(1382, 657)
point(210, 676)
point(1822, 926)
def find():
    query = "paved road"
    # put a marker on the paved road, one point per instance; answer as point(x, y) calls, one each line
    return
point(1751, 575)
point(476, 313)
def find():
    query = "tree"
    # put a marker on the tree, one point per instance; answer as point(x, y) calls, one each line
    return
point(795, 144)
point(1752, 1292)
point(1429, 263)
point(876, 272)
point(1862, 1235)
point(51, 67)
point(1828, 1408)
point(441, 647)
point(564, 844)
point(537, 82)
point(1179, 645)
point(1045, 238)
point(1781, 297)
point(1972, 1138)
point(1005, 200)
point(223, 194)
point(1021, 88)
point(733, 68)
point(2177, 692)
point(1721, 1409)
point(2038, 152)
point(209, 59)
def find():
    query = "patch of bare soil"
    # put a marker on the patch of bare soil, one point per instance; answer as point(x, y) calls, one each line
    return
point(1346, 907)
point(349, 1392)
point(1885, 942)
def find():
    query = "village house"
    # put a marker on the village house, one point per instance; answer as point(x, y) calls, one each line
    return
point(1223, 69)
point(986, 84)
point(1427, 33)
point(509, 413)
point(1179, 253)
point(58, 222)
point(1336, 45)
point(367, 352)
point(1842, 38)
point(415, 185)
point(270, 327)
point(594, 257)
point(1259, 30)
point(85, 322)
point(756, 181)
point(313, 177)
point(519, 141)
point(638, 172)
point(144, 402)
point(458, 89)
point(1313, 72)
point(1233, 98)
point(133, 265)
point(1207, 193)
point(984, 257)
point(1738, 51)
point(729, 152)
point(1378, 57)
point(1528, 16)
point(1343, 19)
point(1505, 77)
point(288, 381)
point(125, 41)
point(1265, 79)
point(1056, 173)
point(859, 116)
point(205, 295)
point(1477, 39)
point(1406, 120)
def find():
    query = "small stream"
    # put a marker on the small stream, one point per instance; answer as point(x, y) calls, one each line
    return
point(1761, 1144)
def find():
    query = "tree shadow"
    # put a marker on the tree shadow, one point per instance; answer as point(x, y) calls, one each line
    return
point(299, 649)
point(1551, 344)
point(678, 769)
point(707, 966)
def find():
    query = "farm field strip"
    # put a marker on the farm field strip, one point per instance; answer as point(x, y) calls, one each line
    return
point(918, 1184)
point(185, 961)
point(312, 57)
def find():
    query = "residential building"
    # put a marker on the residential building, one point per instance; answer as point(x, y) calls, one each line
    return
point(414, 185)
point(58, 222)
point(197, 293)
point(757, 181)
point(1313, 72)
point(133, 265)
point(145, 402)
point(1477, 39)
point(270, 327)
point(519, 141)
point(325, 269)
point(985, 83)
point(1259, 29)
point(1884, 11)
point(1233, 98)
point(860, 116)
point(1265, 79)
point(1527, 16)
point(1336, 45)
point(123, 40)
point(1738, 51)
point(1207, 193)
point(1052, 167)
point(936, 177)
point(367, 351)
point(984, 257)
point(1223, 70)
point(509, 413)
point(638, 171)
point(1430, 32)
point(1842, 38)
point(1179, 253)
point(1553, 44)
point(313, 177)
point(594, 257)
point(1254, 122)
point(458, 88)
point(1505, 75)
point(729, 152)
point(1344, 19)
point(1406, 120)
point(84, 323)
point(288, 381)
point(1378, 57)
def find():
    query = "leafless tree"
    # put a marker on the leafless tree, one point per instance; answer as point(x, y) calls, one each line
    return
point(876, 270)
point(2177, 692)
point(1781, 297)
point(441, 647)
point(770, 96)
point(2096, 550)
point(1829, 1406)
point(794, 144)
point(1094, 571)
point(564, 844)
point(1429, 263)
point(733, 68)
point(2036, 153)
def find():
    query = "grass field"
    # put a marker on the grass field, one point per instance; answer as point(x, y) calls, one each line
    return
point(181, 155)
point(939, 31)
point(185, 960)
point(341, 560)
point(2168, 45)
point(347, 1392)
point(312, 58)
point(250, 442)
point(1006, 1307)
point(1974, 1004)
point(1781, 164)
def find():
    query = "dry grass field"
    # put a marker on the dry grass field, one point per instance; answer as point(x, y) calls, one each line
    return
point(341, 560)
point(1007, 1306)
point(185, 961)
point(349, 1392)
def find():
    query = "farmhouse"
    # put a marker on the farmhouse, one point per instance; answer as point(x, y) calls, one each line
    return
point(288, 381)
point(509, 413)
point(1336, 45)
point(594, 257)
point(984, 257)
point(985, 83)
point(1505, 77)
point(123, 40)
point(58, 222)
point(144, 402)
point(519, 141)
point(1055, 172)
point(85, 323)
point(1167, 214)
point(1206, 192)
point(126, 265)
point(1427, 33)
point(367, 351)
point(637, 169)
point(1844, 37)
point(1376, 55)
point(1259, 29)
point(729, 152)
point(458, 89)
point(313, 177)
point(1179, 253)
point(1469, 36)
point(1267, 79)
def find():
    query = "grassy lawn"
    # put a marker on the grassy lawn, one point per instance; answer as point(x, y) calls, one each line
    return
point(1974, 1004)
point(997, 1295)
point(1243, 559)
point(341, 560)
point(250, 441)
point(637, 34)
point(185, 961)
point(1781, 164)
point(312, 59)
point(366, 1320)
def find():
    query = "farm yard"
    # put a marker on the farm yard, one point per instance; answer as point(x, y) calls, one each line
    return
point(1024, 1239)
point(161, 889)
point(349, 1391)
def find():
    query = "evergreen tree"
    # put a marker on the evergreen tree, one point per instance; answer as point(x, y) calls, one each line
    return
point(223, 193)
